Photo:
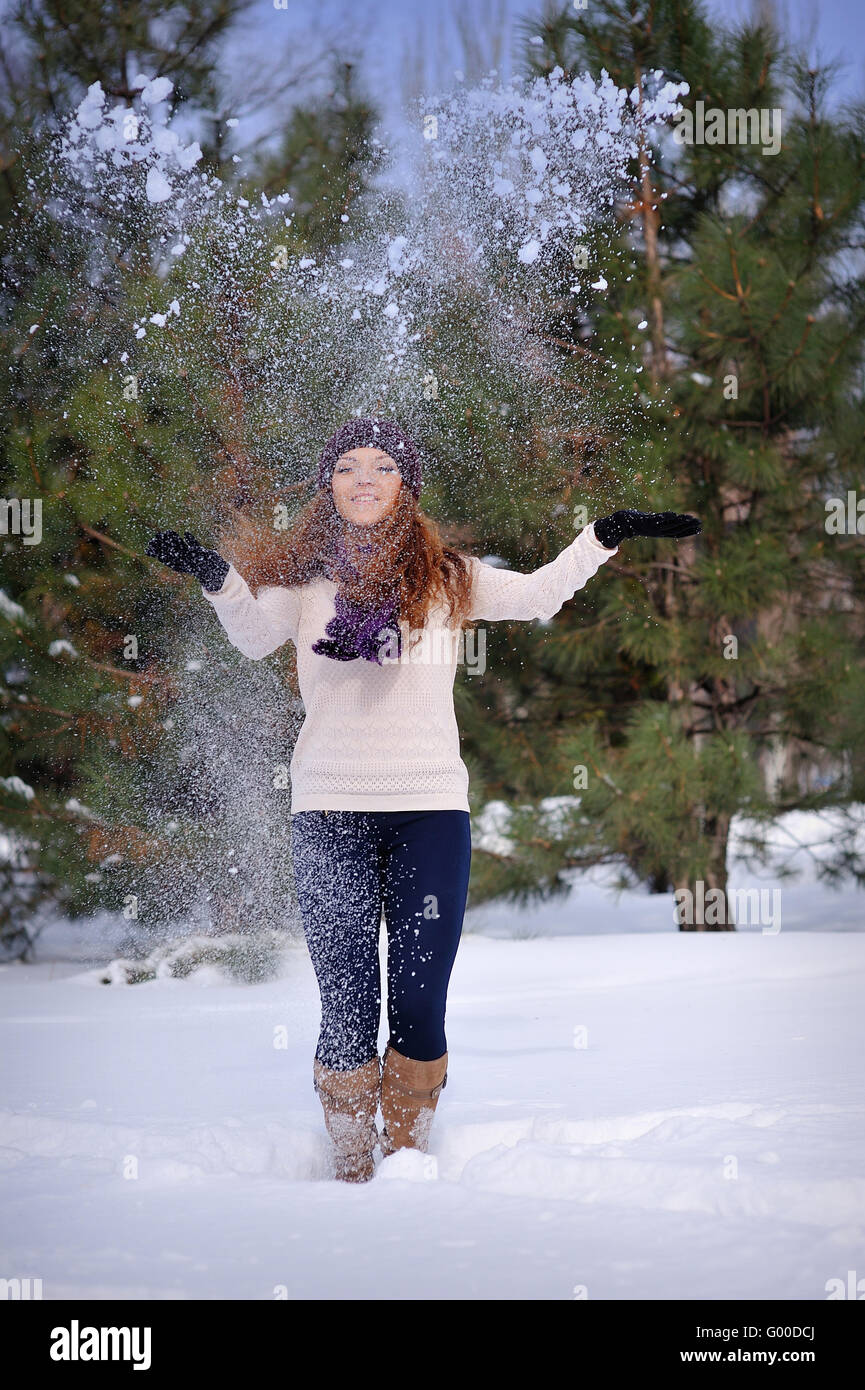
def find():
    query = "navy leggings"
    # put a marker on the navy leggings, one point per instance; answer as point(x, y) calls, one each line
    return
point(348, 865)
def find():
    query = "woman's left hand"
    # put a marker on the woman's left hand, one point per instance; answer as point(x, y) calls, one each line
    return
point(610, 530)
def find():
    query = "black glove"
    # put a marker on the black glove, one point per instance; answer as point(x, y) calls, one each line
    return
point(184, 554)
point(610, 530)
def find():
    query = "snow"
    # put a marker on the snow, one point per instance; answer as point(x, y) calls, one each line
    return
point(18, 787)
point(60, 646)
point(648, 1114)
point(156, 90)
point(396, 253)
point(11, 610)
point(158, 187)
point(552, 152)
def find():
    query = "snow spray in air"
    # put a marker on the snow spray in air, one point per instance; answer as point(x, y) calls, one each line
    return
point(509, 192)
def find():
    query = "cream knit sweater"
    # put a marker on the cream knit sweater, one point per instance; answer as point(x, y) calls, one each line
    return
point(385, 738)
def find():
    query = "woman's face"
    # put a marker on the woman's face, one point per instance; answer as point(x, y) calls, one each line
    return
point(365, 484)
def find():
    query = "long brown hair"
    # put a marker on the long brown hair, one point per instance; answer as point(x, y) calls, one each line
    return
point(406, 557)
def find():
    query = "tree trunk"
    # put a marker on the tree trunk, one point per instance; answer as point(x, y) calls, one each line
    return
point(712, 910)
point(647, 204)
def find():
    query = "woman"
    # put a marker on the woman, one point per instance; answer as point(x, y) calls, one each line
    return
point(379, 802)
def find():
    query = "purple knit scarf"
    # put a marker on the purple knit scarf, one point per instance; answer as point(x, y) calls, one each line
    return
point(358, 630)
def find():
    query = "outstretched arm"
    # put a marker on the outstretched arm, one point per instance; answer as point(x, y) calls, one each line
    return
point(507, 594)
point(256, 626)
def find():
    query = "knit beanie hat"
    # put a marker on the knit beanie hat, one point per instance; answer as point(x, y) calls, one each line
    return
point(375, 434)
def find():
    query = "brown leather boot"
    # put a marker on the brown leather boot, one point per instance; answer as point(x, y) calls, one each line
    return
point(349, 1100)
point(409, 1096)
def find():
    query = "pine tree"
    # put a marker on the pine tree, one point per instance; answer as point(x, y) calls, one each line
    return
point(130, 782)
point(689, 683)
point(711, 661)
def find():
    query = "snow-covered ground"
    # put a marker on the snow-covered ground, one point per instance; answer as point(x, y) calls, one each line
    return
point(660, 1115)
point(631, 1113)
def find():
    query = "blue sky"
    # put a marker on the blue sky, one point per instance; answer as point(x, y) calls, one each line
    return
point(391, 41)
point(386, 32)
point(386, 38)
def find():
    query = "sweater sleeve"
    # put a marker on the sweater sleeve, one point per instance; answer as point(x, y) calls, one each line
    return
point(507, 594)
point(256, 626)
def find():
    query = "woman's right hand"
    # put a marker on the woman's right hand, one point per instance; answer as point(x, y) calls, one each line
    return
point(185, 555)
